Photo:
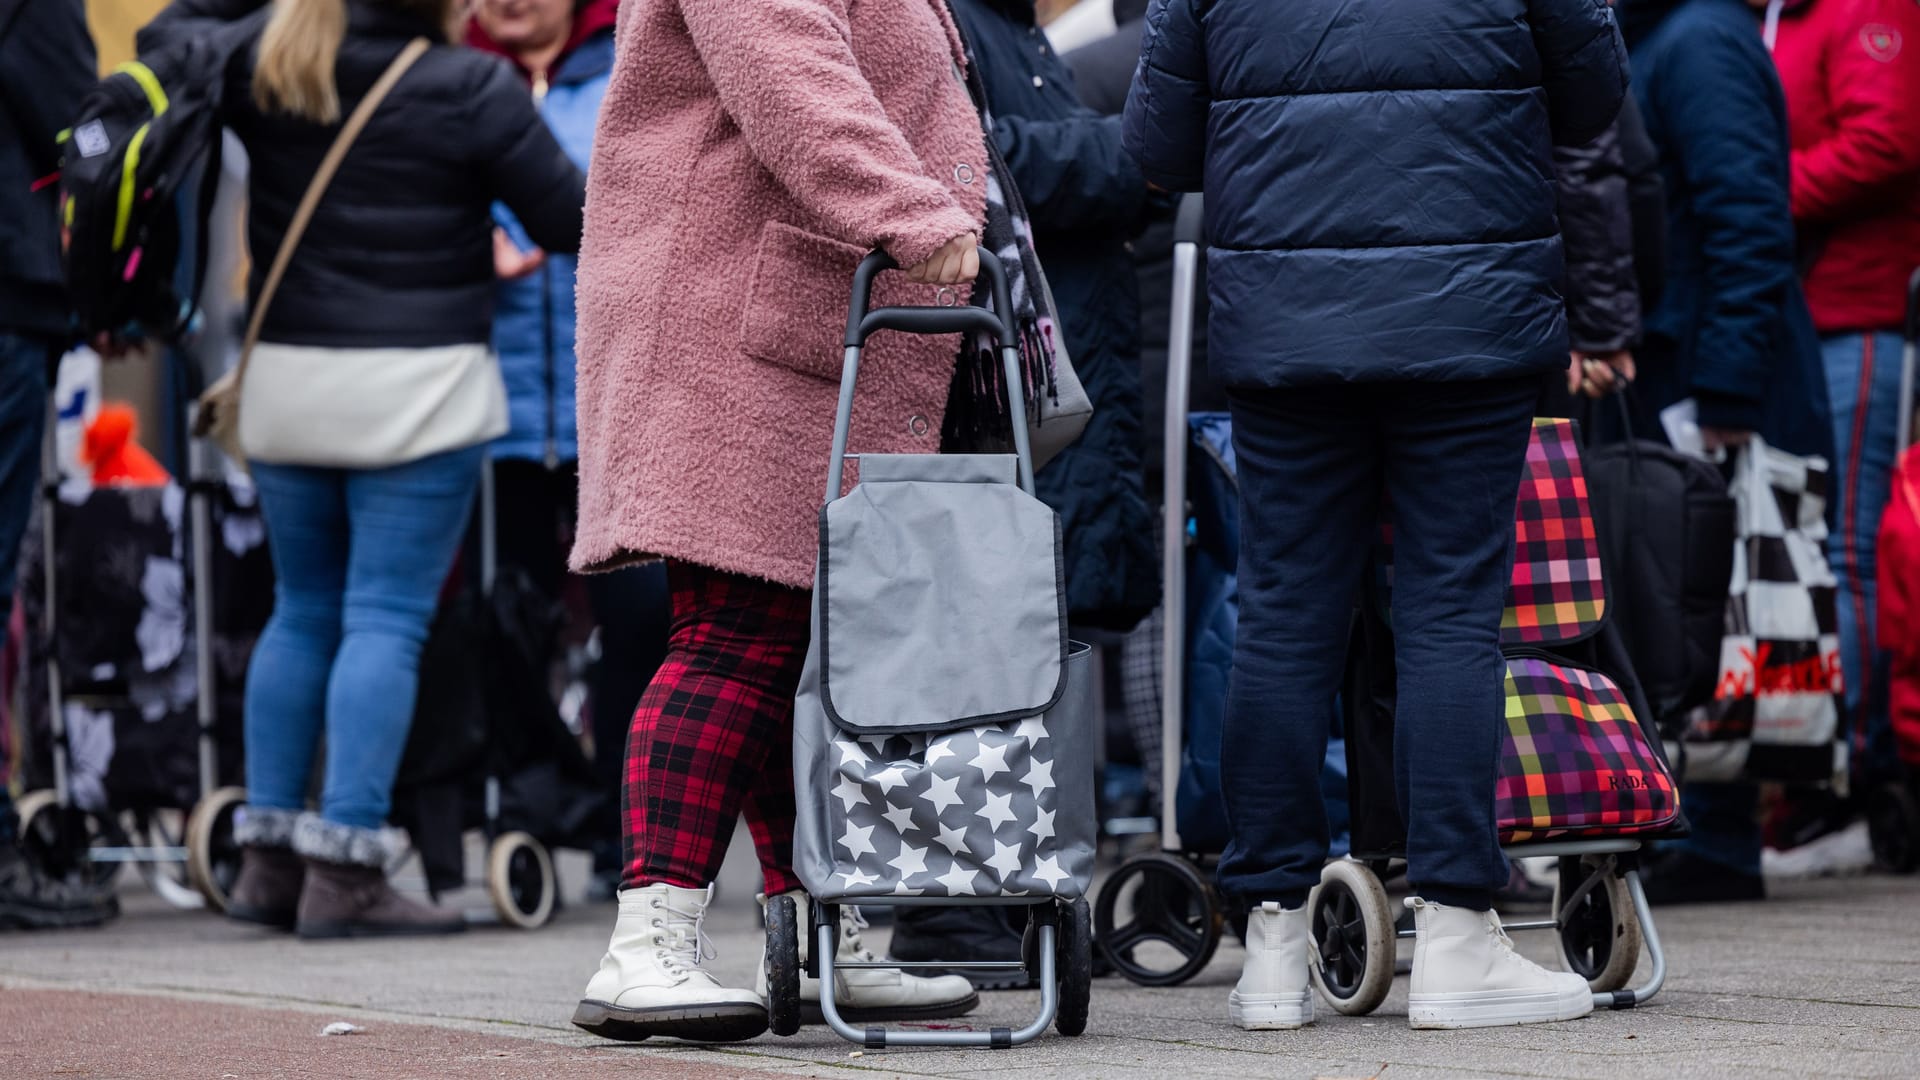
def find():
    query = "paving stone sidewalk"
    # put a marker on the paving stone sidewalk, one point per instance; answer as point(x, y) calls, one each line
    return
point(1823, 980)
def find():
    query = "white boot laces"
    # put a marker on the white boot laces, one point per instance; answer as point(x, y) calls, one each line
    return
point(851, 923)
point(1502, 944)
point(680, 952)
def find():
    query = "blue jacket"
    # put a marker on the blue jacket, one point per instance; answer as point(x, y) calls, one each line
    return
point(1379, 176)
point(1086, 197)
point(533, 317)
point(1732, 329)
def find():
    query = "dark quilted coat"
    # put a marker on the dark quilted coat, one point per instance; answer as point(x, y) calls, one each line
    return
point(400, 252)
point(1086, 197)
point(1379, 176)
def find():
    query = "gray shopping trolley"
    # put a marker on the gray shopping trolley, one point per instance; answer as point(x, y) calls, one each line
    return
point(943, 729)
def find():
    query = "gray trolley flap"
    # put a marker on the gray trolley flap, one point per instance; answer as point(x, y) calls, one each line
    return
point(934, 569)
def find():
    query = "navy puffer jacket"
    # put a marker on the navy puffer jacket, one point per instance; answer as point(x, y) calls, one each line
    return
point(1379, 176)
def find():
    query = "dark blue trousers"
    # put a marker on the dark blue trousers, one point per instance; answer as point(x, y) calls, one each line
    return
point(1313, 465)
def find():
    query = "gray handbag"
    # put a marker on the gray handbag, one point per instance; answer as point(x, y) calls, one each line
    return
point(943, 729)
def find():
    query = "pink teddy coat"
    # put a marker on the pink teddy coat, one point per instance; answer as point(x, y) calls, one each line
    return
point(749, 152)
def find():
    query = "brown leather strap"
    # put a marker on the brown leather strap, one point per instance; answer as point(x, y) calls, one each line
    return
point(317, 187)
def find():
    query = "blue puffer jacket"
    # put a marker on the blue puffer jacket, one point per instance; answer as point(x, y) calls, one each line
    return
point(533, 317)
point(1379, 176)
point(1732, 329)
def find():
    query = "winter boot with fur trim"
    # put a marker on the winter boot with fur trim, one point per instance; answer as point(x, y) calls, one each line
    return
point(346, 893)
point(1466, 974)
point(652, 982)
point(1273, 994)
point(267, 891)
point(871, 995)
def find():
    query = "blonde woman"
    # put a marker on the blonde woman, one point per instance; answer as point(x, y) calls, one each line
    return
point(365, 410)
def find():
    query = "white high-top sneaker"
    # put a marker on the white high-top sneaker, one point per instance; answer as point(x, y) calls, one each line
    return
point(872, 995)
point(651, 981)
point(1273, 994)
point(1466, 974)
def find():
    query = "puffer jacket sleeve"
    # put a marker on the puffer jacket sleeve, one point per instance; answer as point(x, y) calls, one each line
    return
point(1583, 66)
point(785, 72)
point(1873, 145)
point(1073, 173)
point(523, 163)
point(1596, 223)
point(1166, 118)
point(1713, 99)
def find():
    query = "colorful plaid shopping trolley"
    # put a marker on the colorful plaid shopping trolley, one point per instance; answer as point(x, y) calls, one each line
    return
point(1583, 777)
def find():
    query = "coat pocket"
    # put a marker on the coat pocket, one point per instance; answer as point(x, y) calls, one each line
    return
point(798, 300)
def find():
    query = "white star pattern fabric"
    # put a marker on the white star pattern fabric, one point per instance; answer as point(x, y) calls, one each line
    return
point(970, 812)
point(900, 817)
point(998, 811)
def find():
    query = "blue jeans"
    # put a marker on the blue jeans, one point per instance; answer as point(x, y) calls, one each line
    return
point(23, 422)
point(1863, 386)
point(1313, 462)
point(360, 556)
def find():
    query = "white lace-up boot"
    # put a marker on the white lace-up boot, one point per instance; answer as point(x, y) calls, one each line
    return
point(1273, 993)
point(1466, 974)
point(651, 981)
point(872, 995)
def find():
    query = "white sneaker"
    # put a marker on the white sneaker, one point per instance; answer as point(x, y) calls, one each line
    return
point(872, 995)
point(1466, 974)
point(651, 981)
point(1273, 994)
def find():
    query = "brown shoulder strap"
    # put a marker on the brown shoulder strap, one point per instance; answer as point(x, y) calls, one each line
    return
point(317, 187)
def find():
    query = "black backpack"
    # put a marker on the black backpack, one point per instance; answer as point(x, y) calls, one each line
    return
point(1666, 525)
point(138, 172)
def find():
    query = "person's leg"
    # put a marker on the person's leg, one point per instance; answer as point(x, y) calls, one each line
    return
point(1308, 467)
point(286, 695)
point(1455, 456)
point(24, 363)
point(305, 511)
point(1863, 389)
point(715, 724)
point(529, 500)
point(634, 612)
point(405, 523)
point(1310, 485)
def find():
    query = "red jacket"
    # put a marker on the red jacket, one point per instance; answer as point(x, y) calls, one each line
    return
point(1851, 69)
point(1899, 625)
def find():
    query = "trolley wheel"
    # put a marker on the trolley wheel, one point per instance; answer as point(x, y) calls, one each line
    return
point(1893, 823)
point(57, 838)
point(783, 965)
point(1170, 905)
point(1599, 933)
point(520, 880)
point(213, 856)
point(1353, 938)
point(1074, 949)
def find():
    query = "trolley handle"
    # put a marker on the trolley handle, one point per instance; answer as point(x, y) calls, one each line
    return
point(863, 319)
point(1913, 307)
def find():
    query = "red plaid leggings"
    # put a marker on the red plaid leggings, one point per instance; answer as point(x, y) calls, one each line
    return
point(712, 737)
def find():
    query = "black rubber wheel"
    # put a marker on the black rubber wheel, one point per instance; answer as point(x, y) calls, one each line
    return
point(1353, 948)
point(58, 839)
point(521, 881)
point(1169, 903)
point(1075, 952)
point(1893, 823)
point(783, 966)
point(1600, 933)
